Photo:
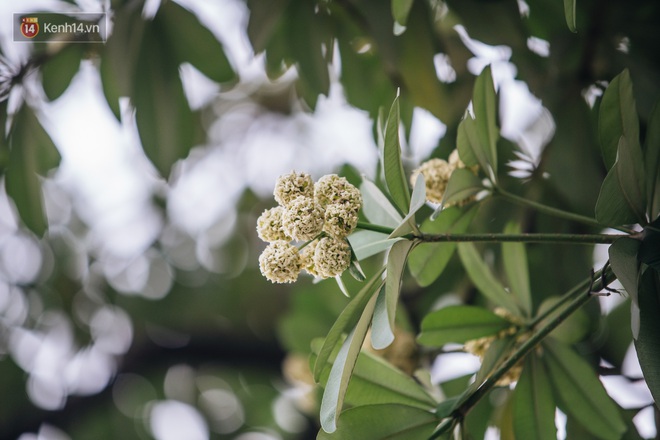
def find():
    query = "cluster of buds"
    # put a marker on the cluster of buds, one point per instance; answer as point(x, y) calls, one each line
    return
point(321, 215)
point(436, 174)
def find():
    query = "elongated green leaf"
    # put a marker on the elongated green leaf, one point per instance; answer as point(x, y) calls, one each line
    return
point(649, 249)
point(573, 330)
point(340, 373)
point(377, 208)
point(417, 200)
point(367, 243)
point(395, 178)
point(496, 353)
point(387, 421)
point(347, 319)
point(647, 342)
point(484, 102)
point(617, 117)
point(612, 207)
point(164, 120)
point(483, 278)
point(461, 185)
point(469, 146)
point(400, 10)
point(396, 264)
point(376, 381)
point(569, 13)
point(623, 258)
point(652, 161)
point(193, 42)
point(581, 393)
point(459, 324)
point(533, 405)
point(515, 267)
point(382, 334)
point(428, 260)
point(32, 153)
point(58, 71)
point(631, 177)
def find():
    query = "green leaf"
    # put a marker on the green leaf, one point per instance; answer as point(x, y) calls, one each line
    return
point(380, 422)
point(569, 13)
point(264, 19)
point(469, 146)
point(515, 267)
point(483, 278)
point(647, 342)
point(617, 117)
point(649, 249)
point(396, 264)
point(190, 41)
point(459, 324)
point(496, 353)
point(533, 405)
point(631, 176)
point(340, 373)
point(652, 161)
point(347, 319)
point(32, 153)
point(59, 70)
point(428, 260)
point(573, 330)
point(462, 185)
point(367, 243)
point(377, 208)
point(164, 120)
point(417, 200)
point(382, 334)
point(581, 393)
point(623, 258)
point(400, 10)
point(612, 207)
point(484, 103)
point(376, 381)
point(392, 166)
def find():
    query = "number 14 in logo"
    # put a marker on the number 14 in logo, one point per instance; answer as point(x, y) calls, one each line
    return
point(30, 27)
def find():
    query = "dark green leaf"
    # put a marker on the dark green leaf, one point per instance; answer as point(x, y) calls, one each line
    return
point(377, 208)
point(649, 249)
point(574, 329)
point(428, 260)
point(264, 19)
point(533, 405)
point(515, 267)
point(652, 161)
point(612, 207)
point(346, 320)
point(382, 334)
point(484, 102)
point(617, 117)
point(397, 183)
point(164, 120)
point(467, 143)
point(631, 177)
point(483, 278)
point(32, 153)
point(396, 264)
point(385, 421)
point(376, 381)
point(400, 10)
point(647, 342)
point(190, 41)
point(459, 324)
point(623, 258)
point(59, 70)
point(340, 373)
point(581, 393)
point(569, 13)
point(462, 184)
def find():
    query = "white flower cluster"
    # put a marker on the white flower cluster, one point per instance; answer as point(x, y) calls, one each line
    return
point(321, 214)
point(436, 174)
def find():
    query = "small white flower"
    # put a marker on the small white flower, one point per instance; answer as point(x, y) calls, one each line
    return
point(331, 257)
point(332, 189)
point(455, 160)
point(303, 219)
point(307, 258)
point(291, 186)
point(340, 220)
point(280, 262)
point(269, 225)
point(436, 174)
